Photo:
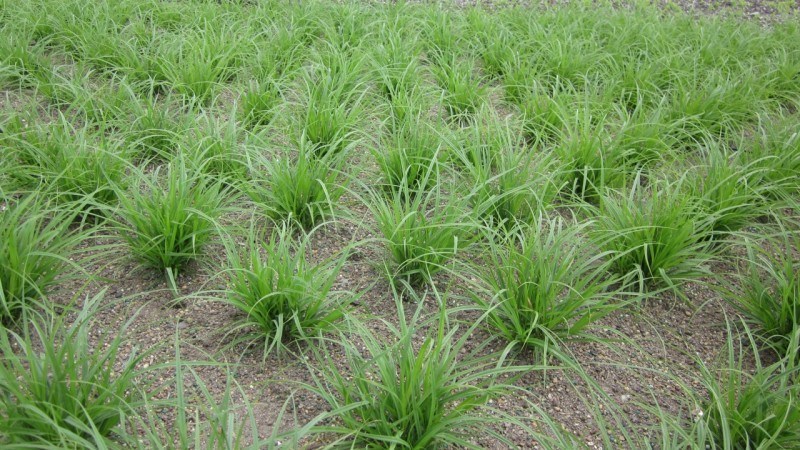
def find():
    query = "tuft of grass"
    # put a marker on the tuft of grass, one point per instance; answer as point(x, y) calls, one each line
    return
point(543, 285)
point(104, 105)
point(769, 292)
point(738, 403)
point(194, 62)
point(657, 235)
point(510, 183)
point(279, 51)
point(545, 114)
point(168, 220)
point(749, 408)
point(401, 393)
point(332, 109)
point(522, 187)
point(404, 107)
point(644, 138)
point(408, 158)
point(463, 92)
point(422, 231)
point(75, 166)
point(519, 81)
point(722, 186)
point(497, 51)
point(59, 390)
point(259, 103)
point(284, 297)
point(443, 35)
point(215, 150)
point(302, 189)
point(35, 243)
point(715, 106)
point(591, 163)
point(395, 64)
point(157, 127)
point(23, 60)
point(774, 157)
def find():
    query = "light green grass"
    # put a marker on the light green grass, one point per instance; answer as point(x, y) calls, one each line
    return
point(555, 161)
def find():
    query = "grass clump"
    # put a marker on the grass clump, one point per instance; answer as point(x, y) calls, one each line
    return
point(510, 182)
point(283, 295)
point(301, 189)
point(35, 244)
point(157, 127)
point(408, 159)
point(75, 166)
point(61, 391)
point(590, 163)
point(749, 408)
point(722, 186)
point(545, 114)
point(398, 393)
point(774, 159)
point(194, 62)
point(259, 103)
point(644, 138)
point(395, 64)
point(422, 231)
point(656, 235)
point(332, 110)
point(542, 285)
point(769, 292)
point(168, 220)
point(215, 150)
point(463, 92)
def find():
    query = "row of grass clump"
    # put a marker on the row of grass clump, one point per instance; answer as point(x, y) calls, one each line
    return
point(558, 166)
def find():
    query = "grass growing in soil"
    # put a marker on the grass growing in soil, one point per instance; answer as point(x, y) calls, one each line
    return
point(396, 196)
point(282, 295)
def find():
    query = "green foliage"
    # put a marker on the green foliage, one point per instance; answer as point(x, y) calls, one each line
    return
point(774, 160)
point(75, 166)
point(422, 234)
point(545, 115)
point(644, 139)
point(661, 135)
point(722, 186)
point(193, 62)
point(591, 163)
point(302, 189)
point(169, 219)
point(22, 60)
point(463, 92)
point(215, 150)
point(750, 409)
point(510, 183)
point(259, 103)
point(332, 109)
point(397, 392)
point(542, 285)
point(395, 64)
point(35, 242)
point(157, 127)
point(656, 234)
point(283, 295)
point(408, 159)
point(60, 390)
point(769, 288)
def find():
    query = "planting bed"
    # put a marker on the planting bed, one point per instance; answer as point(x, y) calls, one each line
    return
point(259, 224)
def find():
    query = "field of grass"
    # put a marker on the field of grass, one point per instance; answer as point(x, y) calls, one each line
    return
point(261, 224)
